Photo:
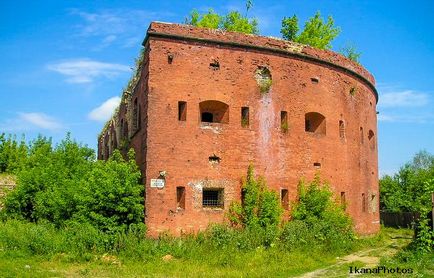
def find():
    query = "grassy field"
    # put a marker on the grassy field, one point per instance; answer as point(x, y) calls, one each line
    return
point(191, 258)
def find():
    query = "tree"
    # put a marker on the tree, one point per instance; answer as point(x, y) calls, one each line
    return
point(290, 28)
point(405, 191)
point(318, 33)
point(12, 153)
point(65, 183)
point(315, 33)
point(209, 20)
point(411, 190)
point(235, 22)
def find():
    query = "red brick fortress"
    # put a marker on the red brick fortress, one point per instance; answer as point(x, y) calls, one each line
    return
point(207, 103)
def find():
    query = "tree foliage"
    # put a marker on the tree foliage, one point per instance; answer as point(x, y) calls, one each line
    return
point(411, 190)
point(316, 32)
point(233, 21)
point(290, 28)
point(64, 183)
point(209, 20)
point(407, 190)
point(12, 153)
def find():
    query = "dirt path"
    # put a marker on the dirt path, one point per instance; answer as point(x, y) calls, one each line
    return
point(364, 258)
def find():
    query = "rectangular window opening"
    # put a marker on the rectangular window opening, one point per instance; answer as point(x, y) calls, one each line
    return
point(213, 198)
point(363, 202)
point(182, 111)
point(245, 116)
point(180, 197)
point(284, 198)
point(315, 80)
point(373, 203)
point(284, 121)
point(317, 165)
point(343, 199)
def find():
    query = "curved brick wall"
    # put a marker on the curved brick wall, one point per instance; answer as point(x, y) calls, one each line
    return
point(180, 66)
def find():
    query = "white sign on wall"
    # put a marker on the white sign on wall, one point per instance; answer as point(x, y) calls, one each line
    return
point(158, 183)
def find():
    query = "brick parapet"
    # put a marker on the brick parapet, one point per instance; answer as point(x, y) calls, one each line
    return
point(327, 58)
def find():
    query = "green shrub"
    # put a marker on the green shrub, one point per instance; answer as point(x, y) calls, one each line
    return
point(261, 206)
point(65, 183)
point(325, 222)
point(233, 21)
point(12, 153)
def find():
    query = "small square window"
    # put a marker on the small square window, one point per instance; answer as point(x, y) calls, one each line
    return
point(213, 198)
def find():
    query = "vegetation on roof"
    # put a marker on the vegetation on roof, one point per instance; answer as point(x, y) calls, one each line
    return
point(127, 91)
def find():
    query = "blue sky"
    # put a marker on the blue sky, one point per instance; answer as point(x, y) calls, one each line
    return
point(64, 63)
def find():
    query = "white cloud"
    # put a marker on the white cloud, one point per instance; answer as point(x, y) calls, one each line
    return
point(30, 121)
point(86, 70)
point(112, 26)
point(406, 98)
point(105, 110)
point(40, 120)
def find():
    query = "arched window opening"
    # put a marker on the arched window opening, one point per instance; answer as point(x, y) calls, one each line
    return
point(371, 138)
point(341, 129)
point(213, 111)
point(315, 123)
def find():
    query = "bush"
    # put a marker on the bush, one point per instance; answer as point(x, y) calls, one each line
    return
point(233, 21)
point(317, 218)
point(12, 154)
point(261, 206)
point(65, 183)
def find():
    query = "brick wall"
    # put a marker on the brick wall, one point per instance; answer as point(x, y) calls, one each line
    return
point(181, 66)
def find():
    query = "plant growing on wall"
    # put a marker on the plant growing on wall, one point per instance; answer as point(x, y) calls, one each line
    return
point(233, 21)
point(316, 32)
point(263, 79)
point(244, 122)
point(260, 207)
point(284, 126)
point(350, 51)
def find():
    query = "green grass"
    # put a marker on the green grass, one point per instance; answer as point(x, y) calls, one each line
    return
point(41, 250)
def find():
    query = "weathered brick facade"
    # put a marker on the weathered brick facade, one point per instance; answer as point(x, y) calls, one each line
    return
point(197, 118)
